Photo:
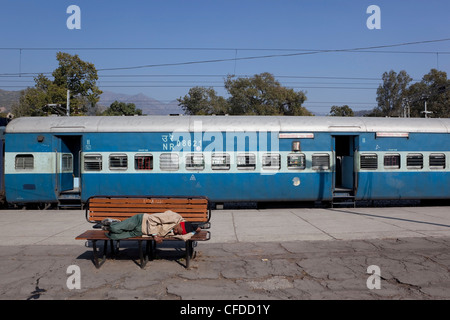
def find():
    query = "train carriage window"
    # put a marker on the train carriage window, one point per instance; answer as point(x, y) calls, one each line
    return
point(67, 162)
point(246, 161)
point(24, 161)
point(195, 161)
point(369, 161)
point(143, 162)
point(93, 162)
point(118, 161)
point(414, 161)
point(437, 161)
point(296, 161)
point(220, 161)
point(271, 161)
point(169, 161)
point(321, 161)
point(392, 161)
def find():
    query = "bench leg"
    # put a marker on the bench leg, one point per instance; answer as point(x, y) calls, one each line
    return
point(98, 263)
point(189, 252)
point(113, 250)
point(143, 257)
point(149, 249)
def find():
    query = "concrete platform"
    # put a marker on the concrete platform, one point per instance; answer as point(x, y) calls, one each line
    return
point(267, 254)
point(29, 227)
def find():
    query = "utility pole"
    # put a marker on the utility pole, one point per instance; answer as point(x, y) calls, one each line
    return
point(68, 103)
point(409, 108)
point(426, 112)
point(406, 108)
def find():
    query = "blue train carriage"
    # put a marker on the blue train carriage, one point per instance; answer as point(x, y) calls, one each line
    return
point(3, 123)
point(226, 158)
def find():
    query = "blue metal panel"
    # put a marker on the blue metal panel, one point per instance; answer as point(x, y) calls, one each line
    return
point(24, 188)
point(170, 141)
point(217, 187)
point(403, 185)
point(27, 142)
point(415, 142)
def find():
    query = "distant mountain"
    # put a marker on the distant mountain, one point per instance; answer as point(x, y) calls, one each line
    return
point(362, 113)
point(7, 98)
point(148, 105)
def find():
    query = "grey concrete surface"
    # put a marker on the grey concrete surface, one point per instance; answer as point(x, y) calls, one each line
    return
point(283, 254)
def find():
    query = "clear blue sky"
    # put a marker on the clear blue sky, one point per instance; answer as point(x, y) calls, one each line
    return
point(227, 29)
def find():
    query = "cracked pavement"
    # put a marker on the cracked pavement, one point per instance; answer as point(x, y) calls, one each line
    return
point(411, 268)
point(322, 254)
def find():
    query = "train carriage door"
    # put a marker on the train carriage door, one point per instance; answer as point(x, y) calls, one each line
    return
point(344, 170)
point(344, 147)
point(67, 163)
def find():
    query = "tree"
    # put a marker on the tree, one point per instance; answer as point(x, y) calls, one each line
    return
point(263, 95)
point(80, 78)
point(390, 94)
point(344, 111)
point(34, 101)
point(122, 109)
point(434, 89)
point(72, 74)
point(257, 95)
point(203, 101)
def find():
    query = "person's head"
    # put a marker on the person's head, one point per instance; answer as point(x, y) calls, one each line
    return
point(183, 228)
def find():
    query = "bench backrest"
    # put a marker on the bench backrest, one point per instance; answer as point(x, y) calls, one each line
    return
point(193, 209)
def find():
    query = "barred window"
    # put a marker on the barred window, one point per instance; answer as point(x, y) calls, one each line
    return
point(271, 161)
point(195, 161)
point(67, 162)
point(392, 161)
point(220, 161)
point(296, 161)
point(246, 161)
point(169, 161)
point(369, 161)
point(118, 161)
point(321, 161)
point(93, 162)
point(414, 161)
point(24, 161)
point(143, 162)
point(437, 161)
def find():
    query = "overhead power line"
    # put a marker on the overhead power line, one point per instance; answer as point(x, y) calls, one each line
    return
point(222, 76)
point(272, 55)
point(239, 49)
point(209, 76)
point(303, 52)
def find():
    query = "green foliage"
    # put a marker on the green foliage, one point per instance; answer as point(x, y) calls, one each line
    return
point(435, 90)
point(344, 111)
point(391, 93)
point(203, 101)
point(122, 109)
point(74, 74)
point(257, 95)
point(395, 96)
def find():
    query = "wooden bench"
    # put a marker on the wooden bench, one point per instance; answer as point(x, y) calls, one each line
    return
point(193, 209)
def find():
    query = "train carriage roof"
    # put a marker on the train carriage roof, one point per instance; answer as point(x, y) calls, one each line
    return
point(225, 123)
